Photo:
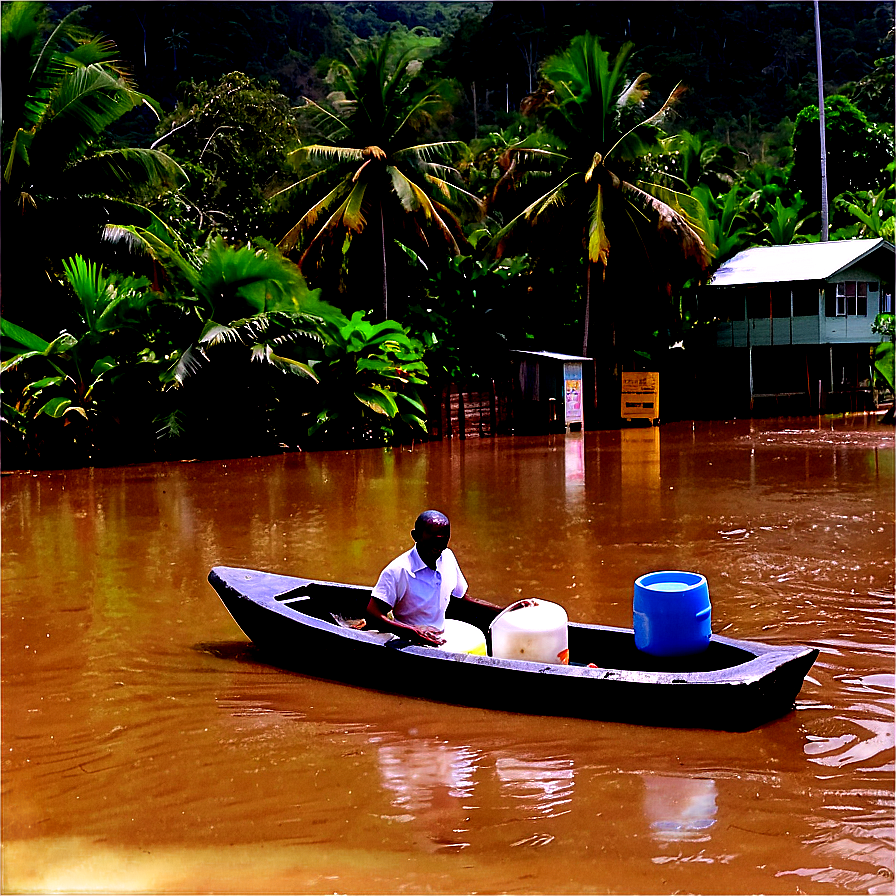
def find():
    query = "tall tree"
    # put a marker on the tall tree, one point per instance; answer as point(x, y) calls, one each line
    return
point(372, 176)
point(858, 151)
point(233, 138)
point(594, 149)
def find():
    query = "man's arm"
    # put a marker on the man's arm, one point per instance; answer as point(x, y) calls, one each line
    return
point(481, 603)
point(380, 610)
point(480, 613)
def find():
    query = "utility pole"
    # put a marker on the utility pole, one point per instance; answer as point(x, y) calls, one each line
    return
point(824, 155)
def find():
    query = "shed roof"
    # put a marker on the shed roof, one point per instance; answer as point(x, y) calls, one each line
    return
point(801, 261)
point(554, 356)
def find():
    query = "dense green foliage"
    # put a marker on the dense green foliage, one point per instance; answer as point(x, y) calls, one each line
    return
point(234, 227)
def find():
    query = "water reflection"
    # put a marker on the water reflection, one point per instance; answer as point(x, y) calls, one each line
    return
point(543, 787)
point(574, 468)
point(429, 782)
point(679, 808)
point(640, 460)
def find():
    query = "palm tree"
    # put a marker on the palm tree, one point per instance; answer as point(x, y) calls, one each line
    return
point(63, 181)
point(594, 155)
point(376, 174)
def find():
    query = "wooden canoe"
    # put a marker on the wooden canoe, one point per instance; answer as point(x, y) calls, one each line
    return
point(305, 625)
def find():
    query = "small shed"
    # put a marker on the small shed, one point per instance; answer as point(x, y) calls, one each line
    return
point(551, 391)
point(802, 316)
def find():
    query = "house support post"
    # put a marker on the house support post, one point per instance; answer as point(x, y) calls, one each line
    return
point(750, 365)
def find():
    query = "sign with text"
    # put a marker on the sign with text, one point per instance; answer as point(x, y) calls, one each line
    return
point(641, 395)
point(572, 389)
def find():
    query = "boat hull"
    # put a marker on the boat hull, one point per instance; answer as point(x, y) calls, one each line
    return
point(299, 625)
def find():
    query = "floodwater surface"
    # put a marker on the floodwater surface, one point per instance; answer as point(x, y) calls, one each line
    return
point(148, 748)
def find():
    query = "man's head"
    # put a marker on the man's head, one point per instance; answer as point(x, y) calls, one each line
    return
point(431, 532)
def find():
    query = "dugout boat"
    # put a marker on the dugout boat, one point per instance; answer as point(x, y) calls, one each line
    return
point(320, 629)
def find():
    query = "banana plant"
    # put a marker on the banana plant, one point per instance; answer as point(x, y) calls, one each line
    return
point(785, 223)
point(875, 213)
point(722, 222)
point(883, 354)
point(369, 375)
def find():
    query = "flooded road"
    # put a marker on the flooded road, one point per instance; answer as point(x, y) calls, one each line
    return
point(148, 748)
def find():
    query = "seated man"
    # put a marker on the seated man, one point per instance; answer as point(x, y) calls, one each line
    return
point(417, 585)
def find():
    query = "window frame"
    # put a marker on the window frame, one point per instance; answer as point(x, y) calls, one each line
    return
point(855, 305)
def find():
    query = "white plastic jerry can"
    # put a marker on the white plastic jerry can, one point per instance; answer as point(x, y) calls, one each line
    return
point(533, 629)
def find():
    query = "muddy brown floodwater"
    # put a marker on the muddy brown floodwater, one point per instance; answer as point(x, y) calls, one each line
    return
point(147, 749)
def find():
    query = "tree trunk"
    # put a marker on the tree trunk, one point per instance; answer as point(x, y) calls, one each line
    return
point(587, 327)
point(475, 113)
point(385, 279)
point(824, 160)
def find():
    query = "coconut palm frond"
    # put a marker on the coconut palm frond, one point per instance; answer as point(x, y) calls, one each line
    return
point(113, 169)
point(353, 217)
point(412, 198)
point(598, 241)
point(334, 153)
point(672, 100)
point(328, 225)
point(310, 218)
point(86, 102)
point(619, 61)
point(457, 195)
point(672, 225)
point(684, 203)
point(158, 243)
point(427, 152)
point(92, 52)
point(441, 216)
point(441, 172)
point(635, 93)
point(678, 91)
point(263, 353)
point(305, 181)
point(536, 153)
point(325, 113)
point(554, 197)
point(431, 99)
point(217, 334)
point(188, 363)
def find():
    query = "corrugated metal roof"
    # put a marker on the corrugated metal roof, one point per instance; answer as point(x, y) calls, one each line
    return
point(556, 356)
point(802, 261)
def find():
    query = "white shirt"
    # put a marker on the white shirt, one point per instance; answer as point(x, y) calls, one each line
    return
point(417, 594)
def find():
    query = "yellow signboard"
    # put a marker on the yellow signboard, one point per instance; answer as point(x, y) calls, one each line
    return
point(641, 396)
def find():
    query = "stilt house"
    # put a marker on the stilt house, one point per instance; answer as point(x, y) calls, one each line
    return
point(794, 322)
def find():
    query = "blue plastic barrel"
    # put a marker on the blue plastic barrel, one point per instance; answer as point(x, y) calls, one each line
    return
point(672, 613)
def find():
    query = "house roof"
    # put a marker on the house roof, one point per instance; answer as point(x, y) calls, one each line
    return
point(801, 261)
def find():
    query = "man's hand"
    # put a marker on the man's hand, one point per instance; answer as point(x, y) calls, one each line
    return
point(424, 634)
point(429, 635)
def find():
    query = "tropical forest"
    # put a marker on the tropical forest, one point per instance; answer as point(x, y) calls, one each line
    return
point(244, 228)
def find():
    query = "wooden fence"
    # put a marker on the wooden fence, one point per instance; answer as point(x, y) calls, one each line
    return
point(471, 410)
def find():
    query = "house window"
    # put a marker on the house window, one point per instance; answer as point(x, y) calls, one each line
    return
point(805, 300)
point(851, 299)
point(886, 302)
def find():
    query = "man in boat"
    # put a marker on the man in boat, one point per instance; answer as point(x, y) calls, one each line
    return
point(412, 593)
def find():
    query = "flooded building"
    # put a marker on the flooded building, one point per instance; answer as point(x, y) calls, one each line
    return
point(794, 323)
